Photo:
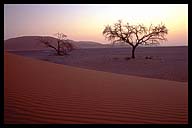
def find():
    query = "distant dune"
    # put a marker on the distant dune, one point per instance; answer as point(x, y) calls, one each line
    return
point(23, 43)
point(41, 92)
point(88, 44)
point(32, 43)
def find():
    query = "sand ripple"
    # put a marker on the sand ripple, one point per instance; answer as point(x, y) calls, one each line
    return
point(89, 97)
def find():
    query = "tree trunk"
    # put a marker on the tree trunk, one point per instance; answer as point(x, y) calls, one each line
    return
point(58, 52)
point(58, 48)
point(133, 52)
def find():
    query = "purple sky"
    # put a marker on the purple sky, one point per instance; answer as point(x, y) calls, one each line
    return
point(86, 22)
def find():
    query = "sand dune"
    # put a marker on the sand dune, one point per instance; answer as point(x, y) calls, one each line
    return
point(33, 43)
point(42, 92)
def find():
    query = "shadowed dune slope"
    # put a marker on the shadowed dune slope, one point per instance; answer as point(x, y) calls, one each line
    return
point(42, 92)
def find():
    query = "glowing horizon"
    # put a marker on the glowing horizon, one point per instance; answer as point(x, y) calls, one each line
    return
point(87, 21)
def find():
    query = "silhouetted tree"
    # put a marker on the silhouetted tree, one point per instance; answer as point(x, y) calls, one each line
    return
point(135, 35)
point(63, 45)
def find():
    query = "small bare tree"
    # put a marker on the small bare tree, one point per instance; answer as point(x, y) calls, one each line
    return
point(135, 35)
point(63, 45)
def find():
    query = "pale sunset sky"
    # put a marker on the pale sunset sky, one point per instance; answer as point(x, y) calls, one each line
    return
point(85, 22)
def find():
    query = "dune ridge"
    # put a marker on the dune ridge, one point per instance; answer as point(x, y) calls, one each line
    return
point(41, 92)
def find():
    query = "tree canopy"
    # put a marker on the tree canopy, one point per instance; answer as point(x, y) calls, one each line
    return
point(63, 45)
point(135, 35)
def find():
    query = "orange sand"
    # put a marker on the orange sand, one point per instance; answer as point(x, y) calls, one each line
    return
point(41, 92)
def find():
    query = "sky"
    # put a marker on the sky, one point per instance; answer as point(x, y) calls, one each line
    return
point(85, 22)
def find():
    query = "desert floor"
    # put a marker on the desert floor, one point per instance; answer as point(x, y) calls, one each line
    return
point(170, 63)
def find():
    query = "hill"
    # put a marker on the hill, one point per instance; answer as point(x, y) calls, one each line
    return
point(33, 43)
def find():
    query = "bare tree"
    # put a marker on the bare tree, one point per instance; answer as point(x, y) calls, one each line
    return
point(135, 35)
point(63, 45)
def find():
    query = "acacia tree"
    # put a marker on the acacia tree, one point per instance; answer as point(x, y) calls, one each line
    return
point(63, 45)
point(135, 35)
